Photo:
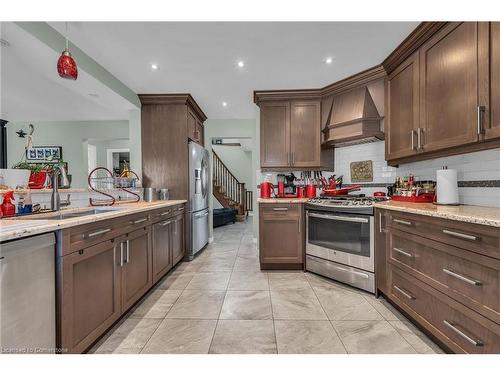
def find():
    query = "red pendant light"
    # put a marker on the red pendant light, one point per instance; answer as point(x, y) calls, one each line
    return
point(66, 65)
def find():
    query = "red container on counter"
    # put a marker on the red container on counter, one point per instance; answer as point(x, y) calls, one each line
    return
point(37, 180)
point(266, 189)
point(311, 191)
point(301, 192)
point(281, 189)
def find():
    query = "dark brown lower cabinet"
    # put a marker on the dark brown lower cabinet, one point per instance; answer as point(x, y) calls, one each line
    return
point(90, 299)
point(444, 274)
point(178, 238)
point(136, 270)
point(162, 249)
point(281, 236)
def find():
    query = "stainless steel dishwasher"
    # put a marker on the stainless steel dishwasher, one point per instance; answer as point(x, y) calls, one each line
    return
point(28, 295)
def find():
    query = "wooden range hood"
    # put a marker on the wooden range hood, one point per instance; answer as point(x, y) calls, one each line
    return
point(353, 119)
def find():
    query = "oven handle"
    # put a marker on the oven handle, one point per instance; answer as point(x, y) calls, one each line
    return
point(339, 218)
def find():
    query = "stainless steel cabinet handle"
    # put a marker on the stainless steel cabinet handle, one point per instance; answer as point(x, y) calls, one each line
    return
point(406, 254)
point(461, 334)
point(460, 235)
point(461, 277)
point(121, 254)
point(127, 259)
point(380, 222)
point(404, 222)
point(480, 111)
point(339, 218)
point(163, 223)
point(413, 139)
point(99, 232)
point(138, 221)
point(419, 139)
point(180, 209)
point(407, 295)
point(280, 209)
point(293, 158)
point(165, 213)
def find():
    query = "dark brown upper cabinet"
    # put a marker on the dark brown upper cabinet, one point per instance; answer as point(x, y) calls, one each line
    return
point(402, 122)
point(305, 134)
point(490, 32)
point(275, 134)
point(290, 134)
point(455, 69)
point(449, 87)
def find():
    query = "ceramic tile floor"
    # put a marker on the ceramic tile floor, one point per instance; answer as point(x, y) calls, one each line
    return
point(222, 303)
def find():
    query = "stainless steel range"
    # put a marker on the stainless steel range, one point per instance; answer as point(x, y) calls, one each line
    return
point(340, 239)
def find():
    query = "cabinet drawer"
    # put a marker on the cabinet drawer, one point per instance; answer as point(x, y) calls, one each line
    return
point(280, 209)
point(166, 212)
point(460, 328)
point(470, 278)
point(79, 237)
point(481, 239)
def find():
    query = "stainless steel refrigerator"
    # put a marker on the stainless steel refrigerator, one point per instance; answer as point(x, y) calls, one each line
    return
point(198, 198)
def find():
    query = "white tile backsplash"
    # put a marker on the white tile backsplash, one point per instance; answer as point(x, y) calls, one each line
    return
point(477, 166)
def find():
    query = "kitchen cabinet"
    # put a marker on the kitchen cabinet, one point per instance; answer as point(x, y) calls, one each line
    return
point(178, 240)
point(403, 91)
point(90, 295)
point(281, 236)
point(195, 127)
point(492, 36)
point(449, 87)
point(136, 270)
point(380, 252)
point(290, 134)
point(305, 134)
point(98, 282)
point(162, 249)
point(275, 134)
point(200, 133)
point(445, 275)
point(455, 68)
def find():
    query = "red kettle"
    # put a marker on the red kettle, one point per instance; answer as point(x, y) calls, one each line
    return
point(266, 189)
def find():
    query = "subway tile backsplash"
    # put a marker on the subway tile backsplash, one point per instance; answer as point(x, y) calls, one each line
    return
point(477, 166)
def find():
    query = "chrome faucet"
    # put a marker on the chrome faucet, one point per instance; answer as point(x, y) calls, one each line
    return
point(55, 201)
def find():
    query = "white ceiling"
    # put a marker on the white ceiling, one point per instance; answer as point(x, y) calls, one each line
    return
point(31, 89)
point(201, 58)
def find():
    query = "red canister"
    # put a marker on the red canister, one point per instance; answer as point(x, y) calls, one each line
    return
point(301, 192)
point(311, 191)
point(281, 189)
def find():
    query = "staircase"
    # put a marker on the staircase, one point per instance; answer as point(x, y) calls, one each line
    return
point(229, 191)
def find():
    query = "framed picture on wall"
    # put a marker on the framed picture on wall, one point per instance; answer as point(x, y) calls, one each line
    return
point(44, 153)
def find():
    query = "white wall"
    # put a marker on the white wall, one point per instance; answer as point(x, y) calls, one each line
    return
point(72, 136)
point(231, 128)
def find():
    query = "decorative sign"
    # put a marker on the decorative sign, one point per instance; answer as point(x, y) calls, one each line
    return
point(44, 153)
point(362, 171)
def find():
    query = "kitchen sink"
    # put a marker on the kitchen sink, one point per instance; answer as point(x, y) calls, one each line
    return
point(67, 215)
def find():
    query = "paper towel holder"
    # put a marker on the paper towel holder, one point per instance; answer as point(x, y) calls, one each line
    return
point(444, 204)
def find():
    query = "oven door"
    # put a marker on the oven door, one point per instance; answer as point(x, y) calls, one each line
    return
point(341, 238)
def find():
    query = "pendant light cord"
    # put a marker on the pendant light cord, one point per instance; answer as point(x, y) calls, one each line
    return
point(67, 48)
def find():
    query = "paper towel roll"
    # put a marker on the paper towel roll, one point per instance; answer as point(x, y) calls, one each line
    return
point(447, 186)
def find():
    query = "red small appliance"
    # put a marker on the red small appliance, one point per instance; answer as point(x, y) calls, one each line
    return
point(281, 189)
point(266, 189)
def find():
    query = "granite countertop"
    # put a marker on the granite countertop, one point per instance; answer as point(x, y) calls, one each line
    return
point(470, 214)
point(23, 226)
point(282, 200)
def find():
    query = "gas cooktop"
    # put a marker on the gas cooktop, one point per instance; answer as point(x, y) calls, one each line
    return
point(358, 203)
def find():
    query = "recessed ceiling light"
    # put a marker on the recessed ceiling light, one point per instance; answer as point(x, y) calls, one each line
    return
point(4, 43)
point(224, 104)
point(328, 60)
point(241, 64)
point(154, 66)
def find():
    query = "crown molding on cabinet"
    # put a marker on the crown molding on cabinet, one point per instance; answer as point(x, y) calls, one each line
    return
point(359, 79)
point(173, 99)
point(411, 43)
